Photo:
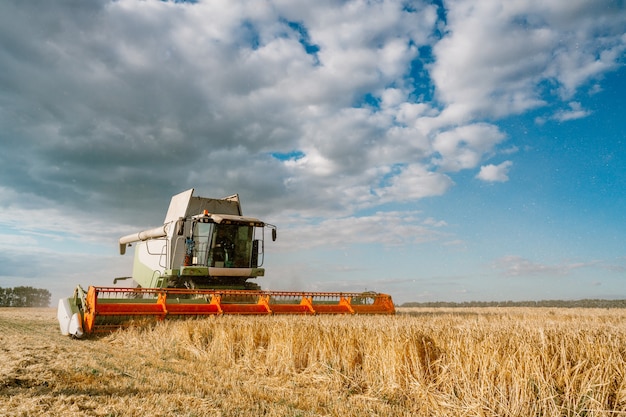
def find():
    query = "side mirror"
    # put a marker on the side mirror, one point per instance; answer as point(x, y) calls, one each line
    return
point(273, 235)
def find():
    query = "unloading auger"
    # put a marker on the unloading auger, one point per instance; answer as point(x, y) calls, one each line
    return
point(200, 262)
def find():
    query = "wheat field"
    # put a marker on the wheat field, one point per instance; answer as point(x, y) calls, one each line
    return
point(421, 362)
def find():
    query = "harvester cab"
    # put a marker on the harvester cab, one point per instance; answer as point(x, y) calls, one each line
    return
point(200, 262)
point(203, 243)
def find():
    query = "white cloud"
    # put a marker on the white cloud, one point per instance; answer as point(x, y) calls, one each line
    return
point(518, 266)
point(29, 222)
point(166, 88)
point(495, 55)
point(495, 173)
point(464, 147)
point(575, 112)
point(383, 228)
point(414, 182)
point(216, 88)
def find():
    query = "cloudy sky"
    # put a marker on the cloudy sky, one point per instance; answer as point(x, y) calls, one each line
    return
point(447, 150)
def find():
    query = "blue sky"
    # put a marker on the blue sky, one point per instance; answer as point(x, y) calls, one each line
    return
point(437, 151)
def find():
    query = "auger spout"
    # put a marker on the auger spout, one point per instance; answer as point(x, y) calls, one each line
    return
point(154, 233)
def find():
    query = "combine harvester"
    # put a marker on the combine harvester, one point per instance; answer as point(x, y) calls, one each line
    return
point(200, 263)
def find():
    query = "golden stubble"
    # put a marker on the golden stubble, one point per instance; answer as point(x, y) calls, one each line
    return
point(421, 362)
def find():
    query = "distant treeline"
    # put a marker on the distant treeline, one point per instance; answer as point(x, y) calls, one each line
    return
point(24, 297)
point(588, 303)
